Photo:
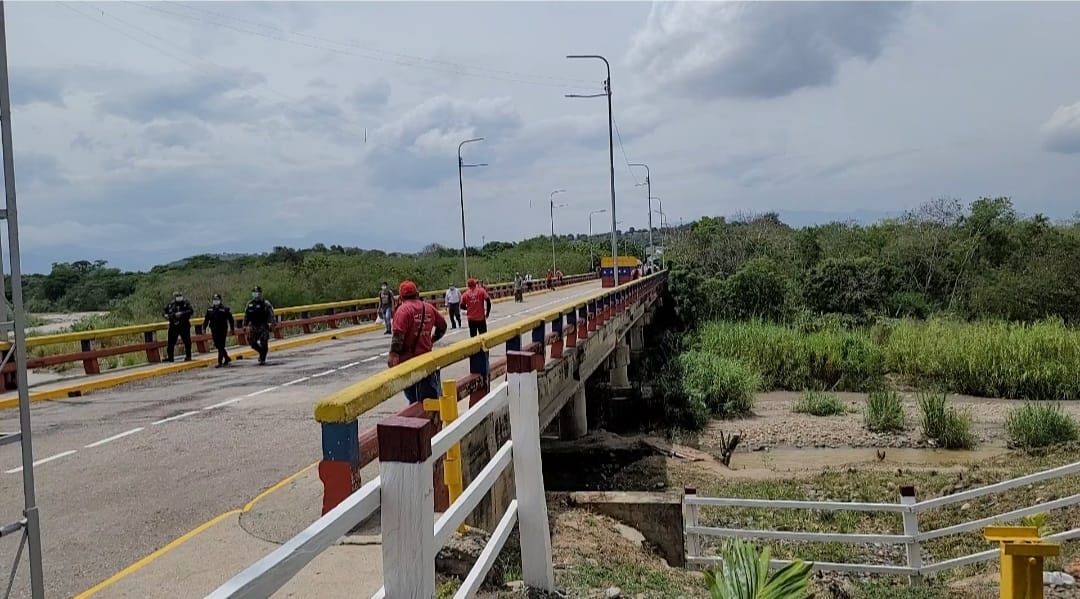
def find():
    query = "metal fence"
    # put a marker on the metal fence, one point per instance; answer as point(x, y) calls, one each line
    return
point(909, 509)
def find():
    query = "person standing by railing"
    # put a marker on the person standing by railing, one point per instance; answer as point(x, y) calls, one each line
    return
point(386, 305)
point(519, 288)
point(259, 317)
point(417, 326)
point(453, 305)
point(219, 321)
point(477, 306)
point(178, 312)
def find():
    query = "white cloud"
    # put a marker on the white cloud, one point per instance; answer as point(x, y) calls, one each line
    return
point(757, 49)
point(1062, 132)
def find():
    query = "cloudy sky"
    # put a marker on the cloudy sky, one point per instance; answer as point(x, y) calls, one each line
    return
point(146, 132)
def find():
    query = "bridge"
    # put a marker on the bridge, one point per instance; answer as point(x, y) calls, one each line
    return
point(175, 478)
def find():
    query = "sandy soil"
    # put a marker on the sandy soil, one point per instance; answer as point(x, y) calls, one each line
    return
point(60, 322)
point(775, 426)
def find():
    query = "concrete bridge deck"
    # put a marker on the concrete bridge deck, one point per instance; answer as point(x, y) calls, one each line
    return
point(128, 470)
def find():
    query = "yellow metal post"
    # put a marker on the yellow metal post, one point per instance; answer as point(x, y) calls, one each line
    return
point(1022, 555)
point(447, 407)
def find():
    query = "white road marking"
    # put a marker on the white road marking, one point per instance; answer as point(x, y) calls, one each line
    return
point(323, 373)
point(261, 391)
point(43, 461)
point(224, 403)
point(384, 354)
point(177, 417)
point(371, 359)
point(349, 365)
point(299, 380)
point(114, 437)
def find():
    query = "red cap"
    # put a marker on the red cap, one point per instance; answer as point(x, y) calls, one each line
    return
point(408, 288)
point(471, 283)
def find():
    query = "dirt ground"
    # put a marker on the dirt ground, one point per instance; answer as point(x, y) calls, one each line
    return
point(775, 426)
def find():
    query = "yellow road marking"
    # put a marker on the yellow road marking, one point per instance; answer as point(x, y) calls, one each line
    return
point(149, 559)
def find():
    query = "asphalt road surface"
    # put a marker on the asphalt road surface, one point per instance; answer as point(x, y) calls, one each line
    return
point(124, 471)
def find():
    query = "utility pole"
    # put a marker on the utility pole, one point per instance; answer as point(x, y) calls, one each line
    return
point(30, 523)
point(551, 212)
point(648, 185)
point(611, 154)
point(461, 190)
point(590, 235)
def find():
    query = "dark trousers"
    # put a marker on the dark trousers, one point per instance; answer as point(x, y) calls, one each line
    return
point(477, 327)
point(455, 314)
point(220, 339)
point(183, 331)
point(429, 388)
point(259, 340)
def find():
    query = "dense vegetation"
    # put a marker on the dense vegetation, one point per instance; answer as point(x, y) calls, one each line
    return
point(292, 277)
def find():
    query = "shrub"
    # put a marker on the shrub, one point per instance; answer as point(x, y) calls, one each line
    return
point(744, 574)
point(947, 426)
point(884, 412)
point(724, 386)
point(788, 359)
point(758, 290)
point(817, 403)
point(1040, 425)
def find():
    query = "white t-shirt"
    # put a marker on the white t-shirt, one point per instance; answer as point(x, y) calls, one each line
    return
point(453, 296)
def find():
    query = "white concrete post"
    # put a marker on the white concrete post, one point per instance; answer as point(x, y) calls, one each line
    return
point(911, 528)
point(690, 519)
point(536, 567)
point(408, 507)
point(573, 420)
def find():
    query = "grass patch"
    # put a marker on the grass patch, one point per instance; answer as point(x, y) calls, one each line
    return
point(818, 403)
point(947, 426)
point(1039, 361)
point(884, 412)
point(790, 359)
point(1040, 425)
point(721, 386)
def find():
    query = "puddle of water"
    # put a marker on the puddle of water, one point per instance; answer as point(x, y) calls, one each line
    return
point(819, 458)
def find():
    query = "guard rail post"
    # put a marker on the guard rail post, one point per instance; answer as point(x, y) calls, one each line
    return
point(480, 365)
point(690, 520)
point(408, 507)
point(201, 345)
point(306, 327)
point(332, 323)
point(153, 356)
point(90, 365)
point(536, 567)
point(339, 469)
point(911, 529)
point(557, 337)
point(241, 332)
point(539, 336)
point(570, 329)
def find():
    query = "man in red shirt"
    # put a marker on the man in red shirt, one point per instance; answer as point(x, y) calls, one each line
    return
point(416, 327)
point(477, 306)
point(550, 278)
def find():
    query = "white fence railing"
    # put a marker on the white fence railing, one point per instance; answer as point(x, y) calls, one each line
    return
point(909, 509)
point(404, 490)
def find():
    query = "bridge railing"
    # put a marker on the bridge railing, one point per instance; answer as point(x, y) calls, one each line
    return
point(411, 537)
point(95, 345)
point(908, 509)
point(346, 449)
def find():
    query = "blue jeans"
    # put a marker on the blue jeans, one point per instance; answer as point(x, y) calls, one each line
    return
point(387, 316)
point(429, 388)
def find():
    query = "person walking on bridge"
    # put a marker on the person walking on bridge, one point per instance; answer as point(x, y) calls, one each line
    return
point(519, 287)
point(453, 305)
point(178, 312)
point(259, 317)
point(477, 306)
point(386, 305)
point(417, 327)
point(220, 322)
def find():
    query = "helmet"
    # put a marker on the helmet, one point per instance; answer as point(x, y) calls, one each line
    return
point(216, 296)
point(408, 289)
point(257, 289)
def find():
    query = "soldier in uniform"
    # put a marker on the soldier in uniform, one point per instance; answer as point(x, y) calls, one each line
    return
point(259, 317)
point(219, 321)
point(178, 312)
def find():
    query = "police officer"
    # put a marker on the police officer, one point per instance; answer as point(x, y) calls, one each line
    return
point(259, 317)
point(219, 321)
point(178, 312)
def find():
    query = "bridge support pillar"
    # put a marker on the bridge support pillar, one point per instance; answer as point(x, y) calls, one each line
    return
point(573, 419)
point(637, 339)
point(620, 359)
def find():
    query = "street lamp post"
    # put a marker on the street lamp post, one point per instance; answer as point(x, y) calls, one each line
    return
point(663, 219)
point(648, 192)
point(551, 213)
point(590, 234)
point(611, 153)
point(461, 190)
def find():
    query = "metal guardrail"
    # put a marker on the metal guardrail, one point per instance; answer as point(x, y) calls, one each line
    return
point(909, 509)
point(304, 317)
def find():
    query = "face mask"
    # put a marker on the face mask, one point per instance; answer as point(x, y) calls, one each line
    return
point(384, 287)
point(254, 295)
point(179, 298)
point(217, 302)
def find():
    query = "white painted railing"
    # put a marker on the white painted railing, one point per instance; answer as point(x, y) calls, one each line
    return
point(405, 492)
point(909, 509)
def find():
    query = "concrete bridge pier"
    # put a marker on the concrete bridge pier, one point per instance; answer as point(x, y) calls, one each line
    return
point(573, 419)
point(637, 340)
point(618, 376)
